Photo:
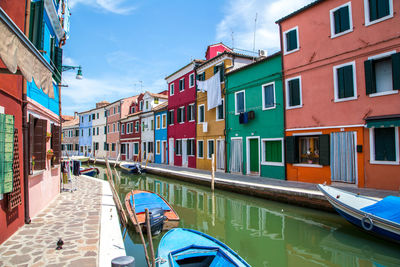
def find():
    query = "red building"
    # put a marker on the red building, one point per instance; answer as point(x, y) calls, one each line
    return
point(182, 96)
point(11, 111)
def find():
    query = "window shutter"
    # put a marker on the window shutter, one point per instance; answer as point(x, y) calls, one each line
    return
point(294, 92)
point(55, 141)
point(348, 79)
point(58, 65)
point(39, 144)
point(383, 8)
point(203, 78)
point(336, 17)
point(188, 117)
point(291, 40)
point(183, 114)
point(324, 150)
point(36, 25)
point(373, 10)
point(178, 115)
point(188, 147)
point(396, 71)
point(177, 148)
point(291, 150)
point(215, 69)
point(370, 83)
point(344, 19)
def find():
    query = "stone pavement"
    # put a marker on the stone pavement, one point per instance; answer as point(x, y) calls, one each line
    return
point(74, 217)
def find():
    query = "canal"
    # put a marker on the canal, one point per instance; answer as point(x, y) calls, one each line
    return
point(264, 233)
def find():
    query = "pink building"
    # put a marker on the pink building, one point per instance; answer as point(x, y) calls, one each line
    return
point(182, 95)
point(341, 73)
point(115, 111)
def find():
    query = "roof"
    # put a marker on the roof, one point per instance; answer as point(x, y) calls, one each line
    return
point(226, 53)
point(299, 10)
point(67, 117)
point(195, 61)
point(161, 106)
point(255, 63)
point(72, 122)
point(157, 95)
point(220, 43)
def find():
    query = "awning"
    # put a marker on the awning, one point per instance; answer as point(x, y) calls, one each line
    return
point(16, 51)
point(383, 121)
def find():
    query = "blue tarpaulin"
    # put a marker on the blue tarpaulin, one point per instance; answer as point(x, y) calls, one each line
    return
point(388, 208)
point(149, 201)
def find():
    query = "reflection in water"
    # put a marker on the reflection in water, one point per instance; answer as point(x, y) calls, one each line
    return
point(264, 233)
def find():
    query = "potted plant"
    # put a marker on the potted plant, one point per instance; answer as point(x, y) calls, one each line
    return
point(33, 163)
point(48, 136)
point(309, 156)
point(50, 153)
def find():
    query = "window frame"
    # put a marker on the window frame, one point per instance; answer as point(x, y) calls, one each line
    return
point(191, 77)
point(287, 93)
point(178, 146)
point(336, 86)
point(181, 110)
point(263, 95)
point(173, 115)
point(244, 101)
point(164, 121)
point(158, 122)
point(192, 112)
point(223, 111)
point(332, 20)
point(158, 146)
point(133, 152)
point(285, 52)
point(208, 141)
point(198, 114)
point(197, 151)
point(368, 21)
point(372, 148)
point(270, 163)
point(123, 128)
point(171, 89)
point(183, 84)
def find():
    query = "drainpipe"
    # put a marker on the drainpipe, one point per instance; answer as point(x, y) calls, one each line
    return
point(226, 125)
point(25, 124)
point(284, 98)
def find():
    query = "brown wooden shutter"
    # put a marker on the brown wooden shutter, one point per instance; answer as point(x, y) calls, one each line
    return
point(55, 142)
point(39, 144)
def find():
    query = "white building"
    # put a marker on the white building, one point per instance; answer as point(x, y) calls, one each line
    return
point(99, 130)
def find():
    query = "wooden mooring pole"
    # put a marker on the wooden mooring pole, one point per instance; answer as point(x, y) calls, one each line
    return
point(153, 259)
point(212, 172)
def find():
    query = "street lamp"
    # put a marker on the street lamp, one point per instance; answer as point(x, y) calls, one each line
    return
point(79, 72)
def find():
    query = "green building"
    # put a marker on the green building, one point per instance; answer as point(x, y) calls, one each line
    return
point(255, 119)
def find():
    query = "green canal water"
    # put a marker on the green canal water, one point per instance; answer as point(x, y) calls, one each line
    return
point(264, 233)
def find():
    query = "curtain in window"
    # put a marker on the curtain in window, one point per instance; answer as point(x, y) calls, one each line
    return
point(236, 160)
point(220, 155)
point(268, 96)
point(343, 157)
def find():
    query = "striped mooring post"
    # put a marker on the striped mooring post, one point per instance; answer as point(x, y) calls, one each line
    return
point(123, 261)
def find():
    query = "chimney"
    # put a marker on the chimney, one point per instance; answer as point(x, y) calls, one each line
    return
point(75, 114)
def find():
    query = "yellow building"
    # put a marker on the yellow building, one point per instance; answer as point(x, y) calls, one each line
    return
point(210, 131)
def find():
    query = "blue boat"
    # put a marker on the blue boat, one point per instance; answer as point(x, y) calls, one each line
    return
point(132, 167)
point(89, 171)
point(379, 217)
point(187, 247)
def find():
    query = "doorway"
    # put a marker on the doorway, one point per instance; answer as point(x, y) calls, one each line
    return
point(253, 155)
point(220, 155)
point(343, 157)
point(164, 152)
point(184, 153)
point(171, 151)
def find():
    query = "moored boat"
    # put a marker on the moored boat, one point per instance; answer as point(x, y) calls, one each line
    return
point(89, 171)
point(131, 167)
point(380, 217)
point(187, 247)
point(162, 215)
point(80, 158)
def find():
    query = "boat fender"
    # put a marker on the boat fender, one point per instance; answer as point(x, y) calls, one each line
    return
point(367, 223)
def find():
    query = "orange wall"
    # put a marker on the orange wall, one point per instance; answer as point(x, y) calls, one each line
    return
point(323, 174)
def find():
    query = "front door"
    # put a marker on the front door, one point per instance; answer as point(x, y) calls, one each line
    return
point(171, 151)
point(184, 153)
point(253, 156)
point(220, 155)
point(343, 157)
point(164, 152)
point(144, 150)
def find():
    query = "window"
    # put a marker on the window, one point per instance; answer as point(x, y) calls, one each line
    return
point(181, 84)
point(200, 147)
point(89, 131)
point(76, 147)
point(97, 115)
point(90, 117)
point(201, 117)
point(156, 100)
point(151, 124)
point(150, 147)
point(180, 116)
point(77, 132)
point(123, 129)
point(201, 77)
point(132, 110)
point(119, 109)
point(158, 147)
point(82, 132)
point(147, 105)
point(137, 126)
point(105, 113)
point(114, 111)
point(313, 149)
point(135, 148)
point(97, 130)
point(210, 148)
point(345, 82)
point(341, 22)
point(93, 116)
point(290, 42)
point(293, 93)
point(82, 119)
point(94, 131)
point(113, 147)
point(384, 145)
point(382, 74)
point(171, 89)
point(113, 127)
point(118, 127)
point(178, 147)
point(272, 151)
point(377, 10)
point(190, 147)
point(164, 121)
point(170, 117)
point(220, 111)
point(141, 105)
point(191, 80)
point(37, 141)
point(221, 70)
point(108, 128)
point(190, 112)
point(239, 102)
point(142, 126)
point(158, 122)
point(268, 96)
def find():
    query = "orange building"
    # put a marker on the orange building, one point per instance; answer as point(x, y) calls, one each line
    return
point(341, 71)
point(210, 129)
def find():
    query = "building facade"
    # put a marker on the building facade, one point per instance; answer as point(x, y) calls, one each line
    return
point(85, 137)
point(341, 80)
point(182, 97)
point(70, 137)
point(254, 119)
point(160, 133)
point(99, 130)
point(210, 131)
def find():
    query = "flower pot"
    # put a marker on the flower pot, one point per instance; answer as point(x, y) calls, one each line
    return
point(50, 155)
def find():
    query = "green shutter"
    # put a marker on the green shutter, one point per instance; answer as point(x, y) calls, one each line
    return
point(385, 148)
point(273, 151)
point(396, 71)
point(370, 82)
point(201, 147)
point(344, 19)
point(383, 8)
point(58, 64)
point(348, 79)
point(336, 17)
point(291, 40)
point(183, 114)
point(291, 150)
point(215, 69)
point(203, 78)
point(324, 150)
point(36, 24)
point(222, 72)
point(294, 92)
point(373, 10)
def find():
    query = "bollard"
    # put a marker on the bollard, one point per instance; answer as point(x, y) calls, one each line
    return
point(123, 261)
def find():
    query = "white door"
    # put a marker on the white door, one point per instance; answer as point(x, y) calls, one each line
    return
point(184, 153)
point(171, 151)
point(220, 155)
point(163, 152)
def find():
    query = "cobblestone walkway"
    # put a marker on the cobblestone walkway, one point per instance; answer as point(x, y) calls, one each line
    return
point(74, 217)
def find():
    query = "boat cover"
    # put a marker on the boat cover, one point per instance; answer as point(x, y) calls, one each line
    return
point(388, 208)
point(148, 200)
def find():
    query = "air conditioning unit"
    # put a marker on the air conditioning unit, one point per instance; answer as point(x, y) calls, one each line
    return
point(262, 53)
point(205, 127)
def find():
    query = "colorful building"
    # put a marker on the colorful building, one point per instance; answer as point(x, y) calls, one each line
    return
point(160, 133)
point(210, 132)
point(182, 130)
point(254, 119)
point(70, 137)
point(341, 66)
point(85, 129)
point(99, 130)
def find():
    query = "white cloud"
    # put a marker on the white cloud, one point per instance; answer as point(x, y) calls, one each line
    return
point(113, 6)
point(239, 18)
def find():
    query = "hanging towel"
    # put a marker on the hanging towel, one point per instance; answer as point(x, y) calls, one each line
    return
point(245, 117)
point(213, 88)
point(252, 115)
point(241, 117)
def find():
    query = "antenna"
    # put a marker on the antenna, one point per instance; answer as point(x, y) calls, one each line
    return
point(141, 86)
point(255, 28)
point(233, 39)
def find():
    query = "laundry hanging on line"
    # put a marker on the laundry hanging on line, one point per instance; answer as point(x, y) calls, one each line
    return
point(213, 88)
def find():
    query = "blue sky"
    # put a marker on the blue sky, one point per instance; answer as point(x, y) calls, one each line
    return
point(122, 42)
